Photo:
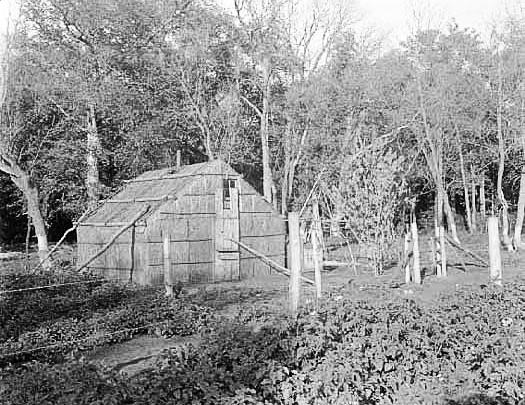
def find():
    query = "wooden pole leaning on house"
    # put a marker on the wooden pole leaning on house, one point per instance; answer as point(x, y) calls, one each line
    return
point(496, 272)
point(294, 289)
point(62, 239)
point(139, 215)
point(280, 269)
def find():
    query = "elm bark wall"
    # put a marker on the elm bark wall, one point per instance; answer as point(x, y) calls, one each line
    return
point(262, 229)
point(190, 222)
point(115, 263)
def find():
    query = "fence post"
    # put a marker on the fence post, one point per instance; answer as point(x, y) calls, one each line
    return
point(415, 251)
point(316, 247)
point(433, 250)
point(168, 282)
point(132, 254)
point(295, 261)
point(495, 275)
point(406, 257)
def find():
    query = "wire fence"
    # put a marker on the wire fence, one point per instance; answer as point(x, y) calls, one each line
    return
point(58, 285)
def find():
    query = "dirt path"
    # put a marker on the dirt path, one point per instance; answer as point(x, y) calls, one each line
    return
point(139, 353)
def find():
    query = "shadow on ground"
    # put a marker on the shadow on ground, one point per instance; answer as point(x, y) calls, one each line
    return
point(476, 399)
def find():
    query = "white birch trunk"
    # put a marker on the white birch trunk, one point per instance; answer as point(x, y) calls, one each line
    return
point(521, 213)
point(473, 201)
point(264, 132)
point(465, 191)
point(26, 185)
point(482, 201)
point(93, 148)
point(501, 166)
point(451, 219)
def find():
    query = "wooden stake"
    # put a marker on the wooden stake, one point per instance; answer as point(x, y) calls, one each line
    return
point(473, 201)
point(438, 255)
point(132, 254)
point(495, 275)
point(317, 248)
point(179, 159)
point(139, 215)
point(295, 257)
point(415, 249)
point(406, 253)
point(168, 282)
point(482, 199)
point(443, 251)
point(432, 242)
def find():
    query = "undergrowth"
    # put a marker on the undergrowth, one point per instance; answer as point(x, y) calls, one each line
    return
point(466, 348)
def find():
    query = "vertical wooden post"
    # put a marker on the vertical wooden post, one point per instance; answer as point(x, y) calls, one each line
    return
point(443, 272)
point(179, 159)
point(482, 200)
point(168, 282)
point(415, 253)
point(132, 254)
point(437, 263)
point(295, 258)
point(406, 255)
point(473, 201)
point(316, 245)
point(432, 242)
point(495, 275)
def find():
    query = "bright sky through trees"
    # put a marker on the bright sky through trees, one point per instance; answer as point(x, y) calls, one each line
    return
point(398, 17)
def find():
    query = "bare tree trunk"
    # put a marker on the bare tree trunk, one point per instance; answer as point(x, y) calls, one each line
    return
point(473, 200)
point(521, 213)
point(482, 201)
point(284, 193)
point(518, 226)
point(501, 167)
point(28, 242)
point(286, 169)
point(439, 222)
point(93, 148)
point(451, 219)
point(264, 131)
point(465, 190)
point(26, 185)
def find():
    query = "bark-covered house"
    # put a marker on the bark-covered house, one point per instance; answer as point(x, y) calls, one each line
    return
point(200, 208)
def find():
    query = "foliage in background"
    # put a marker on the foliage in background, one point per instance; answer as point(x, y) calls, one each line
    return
point(373, 188)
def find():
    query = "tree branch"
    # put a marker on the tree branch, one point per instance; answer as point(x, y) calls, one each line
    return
point(253, 106)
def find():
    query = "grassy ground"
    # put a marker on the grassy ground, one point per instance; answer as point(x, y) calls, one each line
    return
point(269, 294)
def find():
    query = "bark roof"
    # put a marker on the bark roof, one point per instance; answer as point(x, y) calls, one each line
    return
point(170, 182)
